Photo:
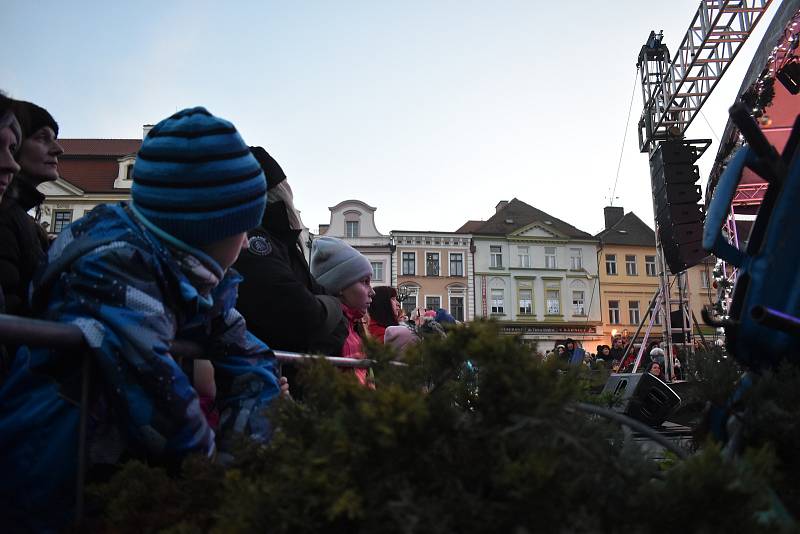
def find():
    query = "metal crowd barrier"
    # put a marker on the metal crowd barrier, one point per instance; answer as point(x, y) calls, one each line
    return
point(36, 333)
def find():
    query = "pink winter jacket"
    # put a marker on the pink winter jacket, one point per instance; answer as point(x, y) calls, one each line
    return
point(353, 344)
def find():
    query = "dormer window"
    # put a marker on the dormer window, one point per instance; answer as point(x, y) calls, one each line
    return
point(352, 223)
point(125, 173)
point(351, 229)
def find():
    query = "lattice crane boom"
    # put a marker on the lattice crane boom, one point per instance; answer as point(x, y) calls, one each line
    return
point(673, 92)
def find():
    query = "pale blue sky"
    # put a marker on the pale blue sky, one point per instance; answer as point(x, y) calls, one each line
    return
point(430, 111)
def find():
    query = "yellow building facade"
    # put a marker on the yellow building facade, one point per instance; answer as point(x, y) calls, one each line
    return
point(629, 278)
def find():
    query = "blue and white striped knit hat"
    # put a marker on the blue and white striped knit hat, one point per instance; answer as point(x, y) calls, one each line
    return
point(195, 178)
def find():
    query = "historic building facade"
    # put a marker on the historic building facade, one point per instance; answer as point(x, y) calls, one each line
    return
point(93, 171)
point(629, 277)
point(536, 275)
point(434, 270)
point(354, 222)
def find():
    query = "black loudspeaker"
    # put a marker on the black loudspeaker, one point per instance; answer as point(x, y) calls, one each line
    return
point(789, 76)
point(672, 153)
point(676, 197)
point(681, 256)
point(678, 321)
point(676, 173)
point(644, 397)
point(672, 194)
point(674, 214)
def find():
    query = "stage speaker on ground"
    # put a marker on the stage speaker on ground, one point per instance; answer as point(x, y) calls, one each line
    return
point(644, 397)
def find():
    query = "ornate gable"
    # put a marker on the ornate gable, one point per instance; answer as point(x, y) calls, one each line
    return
point(59, 188)
point(538, 230)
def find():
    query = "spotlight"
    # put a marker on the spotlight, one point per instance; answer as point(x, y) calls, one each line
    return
point(789, 76)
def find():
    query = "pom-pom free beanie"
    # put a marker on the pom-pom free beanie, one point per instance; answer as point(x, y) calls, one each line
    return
point(272, 170)
point(336, 265)
point(195, 178)
point(33, 118)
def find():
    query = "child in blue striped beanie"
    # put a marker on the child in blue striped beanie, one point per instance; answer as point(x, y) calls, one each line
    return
point(134, 278)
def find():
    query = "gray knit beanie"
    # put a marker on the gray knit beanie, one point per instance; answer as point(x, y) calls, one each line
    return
point(336, 265)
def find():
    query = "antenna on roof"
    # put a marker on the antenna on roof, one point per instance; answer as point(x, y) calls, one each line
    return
point(610, 198)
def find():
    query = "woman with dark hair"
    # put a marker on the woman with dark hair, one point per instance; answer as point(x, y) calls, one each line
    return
point(23, 243)
point(383, 312)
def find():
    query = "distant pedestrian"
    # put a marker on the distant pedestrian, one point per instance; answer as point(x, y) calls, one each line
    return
point(575, 353)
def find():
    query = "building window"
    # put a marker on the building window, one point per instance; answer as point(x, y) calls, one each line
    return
point(433, 303)
point(650, 265)
point(496, 256)
point(409, 264)
point(657, 320)
point(578, 303)
point(549, 257)
point(704, 281)
point(351, 229)
point(61, 219)
point(611, 264)
point(575, 259)
point(613, 312)
point(457, 264)
point(457, 308)
point(497, 301)
point(377, 271)
point(630, 265)
point(524, 257)
point(553, 301)
point(633, 312)
point(129, 172)
point(683, 282)
point(410, 303)
point(525, 301)
point(431, 264)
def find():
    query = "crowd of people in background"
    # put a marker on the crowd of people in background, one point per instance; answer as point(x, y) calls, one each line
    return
point(206, 250)
point(621, 357)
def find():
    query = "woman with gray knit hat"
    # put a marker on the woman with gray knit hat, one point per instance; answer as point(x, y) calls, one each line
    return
point(346, 273)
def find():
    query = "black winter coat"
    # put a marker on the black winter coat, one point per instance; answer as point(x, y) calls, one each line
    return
point(23, 245)
point(279, 298)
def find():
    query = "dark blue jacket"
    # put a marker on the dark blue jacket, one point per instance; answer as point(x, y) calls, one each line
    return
point(132, 290)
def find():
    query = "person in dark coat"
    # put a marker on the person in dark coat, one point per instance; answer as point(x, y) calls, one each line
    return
point(280, 300)
point(575, 353)
point(10, 139)
point(23, 243)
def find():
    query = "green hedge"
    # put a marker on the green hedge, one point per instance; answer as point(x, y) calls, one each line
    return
point(436, 447)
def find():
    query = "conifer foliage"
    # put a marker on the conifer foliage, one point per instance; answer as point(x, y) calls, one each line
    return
point(474, 435)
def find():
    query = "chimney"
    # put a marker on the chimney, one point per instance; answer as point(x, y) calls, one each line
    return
point(613, 215)
point(500, 205)
point(146, 130)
